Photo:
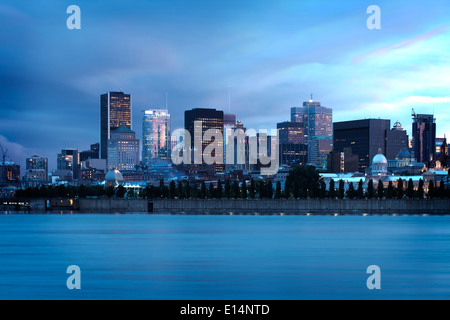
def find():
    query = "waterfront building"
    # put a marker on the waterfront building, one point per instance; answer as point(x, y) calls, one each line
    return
point(113, 178)
point(379, 164)
point(156, 140)
point(318, 124)
point(68, 160)
point(123, 149)
point(115, 111)
point(424, 137)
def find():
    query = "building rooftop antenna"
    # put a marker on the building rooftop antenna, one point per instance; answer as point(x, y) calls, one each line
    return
point(229, 99)
point(167, 109)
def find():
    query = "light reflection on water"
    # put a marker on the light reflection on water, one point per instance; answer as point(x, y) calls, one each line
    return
point(224, 257)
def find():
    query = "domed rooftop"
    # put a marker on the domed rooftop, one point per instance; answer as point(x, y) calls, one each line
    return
point(404, 154)
point(114, 175)
point(379, 158)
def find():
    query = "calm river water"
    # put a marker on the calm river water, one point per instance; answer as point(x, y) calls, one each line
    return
point(224, 257)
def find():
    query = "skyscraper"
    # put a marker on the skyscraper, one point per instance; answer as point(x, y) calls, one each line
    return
point(424, 137)
point(210, 119)
point(123, 149)
point(318, 121)
point(115, 110)
point(156, 141)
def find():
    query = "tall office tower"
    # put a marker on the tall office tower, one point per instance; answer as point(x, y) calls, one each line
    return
point(36, 169)
point(156, 140)
point(115, 111)
point(291, 132)
point(123, 149)
point(210, 119)
point(318, 122)
point(424, 137)
point(364, 137)
point(68, 160)
point(397, 139)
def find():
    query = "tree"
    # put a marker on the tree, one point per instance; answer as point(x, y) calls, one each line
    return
point(261, 189)
point(203, 190)
point(219, 190)
point(252, 191)
point(278, 190)
point(410, 189)
point(82, 192)
point(180, 190)
point(236, 190)
point(400, 190)
point(390, 191)
point(420, 191)
point(304, 181)
point(323, 189)
point(227, 189)
point(440, 192)
point(269, 190)
point(120, 192)
point(360, 191)
point(110, 191)
point(131, 193)
point(287, 191)
point(332, 190)
point(341, 189)
point(187, 190)
point(172, 190)
point(351, 191)
point(211, 191)
point(380, 190)
point(431, 191)
point(244, 189)
point(370, 189)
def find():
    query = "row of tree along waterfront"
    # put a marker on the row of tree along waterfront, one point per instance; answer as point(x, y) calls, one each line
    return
point(303, 182)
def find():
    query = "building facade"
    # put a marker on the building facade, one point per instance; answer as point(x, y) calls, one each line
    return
point(115, 111)
point(156, 140)
point(209, 119)
point(68, 160)
point(424, 137)
point(318, 123)
point(123, 150)
point(365, 136)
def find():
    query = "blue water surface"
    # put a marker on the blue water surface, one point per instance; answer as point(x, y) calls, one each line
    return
point(139, 256)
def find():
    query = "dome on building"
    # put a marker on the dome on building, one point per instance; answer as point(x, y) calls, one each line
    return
point(379, 158)
point(379, 164)
point(113, 177)
point(404, 154)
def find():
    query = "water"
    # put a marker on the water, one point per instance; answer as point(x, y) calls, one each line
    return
point(224, 257)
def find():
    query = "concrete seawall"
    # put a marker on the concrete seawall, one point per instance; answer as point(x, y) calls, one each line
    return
point(224, 206)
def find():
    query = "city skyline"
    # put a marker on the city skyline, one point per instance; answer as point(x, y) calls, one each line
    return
point(357, 72)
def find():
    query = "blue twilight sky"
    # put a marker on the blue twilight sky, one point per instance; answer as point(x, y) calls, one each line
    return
point(273, 53)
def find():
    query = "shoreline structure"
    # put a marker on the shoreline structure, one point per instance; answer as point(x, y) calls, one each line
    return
point(233, 206)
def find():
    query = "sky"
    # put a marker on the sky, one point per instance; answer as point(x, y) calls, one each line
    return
point(274, 54)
